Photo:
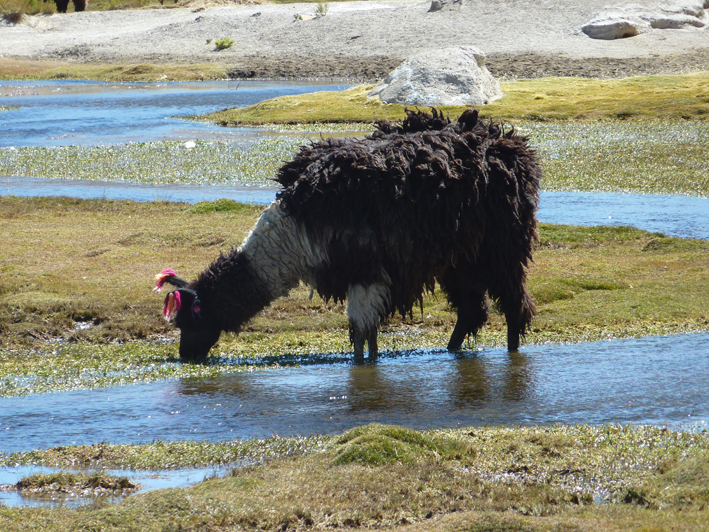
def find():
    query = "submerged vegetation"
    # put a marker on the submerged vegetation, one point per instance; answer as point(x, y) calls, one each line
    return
point(389, 477)
point(75, 485)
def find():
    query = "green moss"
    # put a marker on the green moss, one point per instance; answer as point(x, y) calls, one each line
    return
point(539, 100)
point(377, 444)
point(220, 205)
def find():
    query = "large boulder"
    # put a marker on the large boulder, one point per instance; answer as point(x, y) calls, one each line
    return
point(633, 19)
point(449, 76)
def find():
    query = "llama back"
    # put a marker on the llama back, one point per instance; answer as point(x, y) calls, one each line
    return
point(406, 202)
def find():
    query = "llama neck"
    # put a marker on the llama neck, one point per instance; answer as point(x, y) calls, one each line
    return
point(271, 261)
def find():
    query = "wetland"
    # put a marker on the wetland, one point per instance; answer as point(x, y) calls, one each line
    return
point(598, 407)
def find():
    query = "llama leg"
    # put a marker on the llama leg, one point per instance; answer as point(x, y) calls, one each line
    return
point(357, 339)
point(372, 345)
point(366, 305)
point(467, 296)
point(472, 315)
point(518, 307)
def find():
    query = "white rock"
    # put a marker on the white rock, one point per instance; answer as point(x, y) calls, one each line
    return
point(694, 9)
point(190, 144)
point(449, 76)
point(615, 26)
point(663, 21)
point(445, 5)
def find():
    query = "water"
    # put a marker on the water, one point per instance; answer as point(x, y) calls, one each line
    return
point(681, 216)
point(59, 113)
point(56, 113)
point(148, 480)
point(653, 380)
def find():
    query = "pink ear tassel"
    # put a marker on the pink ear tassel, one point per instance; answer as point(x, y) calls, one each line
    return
point(161, 278)
point(173, 304)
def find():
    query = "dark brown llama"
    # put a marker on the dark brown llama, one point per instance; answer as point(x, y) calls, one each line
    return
point(377, 221)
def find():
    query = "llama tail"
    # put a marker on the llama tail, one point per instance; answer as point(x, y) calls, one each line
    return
point(168, 276)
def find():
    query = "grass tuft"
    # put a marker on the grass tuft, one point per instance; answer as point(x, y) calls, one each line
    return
point(605, 478)
point(220, 205)
point(377, 444)
point(73, 484)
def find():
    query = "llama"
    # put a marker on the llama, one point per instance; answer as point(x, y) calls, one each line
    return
point(376, 222)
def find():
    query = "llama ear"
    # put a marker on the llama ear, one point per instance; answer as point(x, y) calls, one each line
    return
point(179, 299)
point(168, 275)
point(173, 304)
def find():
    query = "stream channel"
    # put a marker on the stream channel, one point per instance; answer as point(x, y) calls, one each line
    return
point(653, 380)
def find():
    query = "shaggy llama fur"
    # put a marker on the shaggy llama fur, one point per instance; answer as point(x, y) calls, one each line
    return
point(377, 222)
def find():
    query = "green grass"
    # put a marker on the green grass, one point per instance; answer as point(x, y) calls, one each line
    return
point(19, 69)
point(549, 99)
point(14, 10)
point(90, 285)
point(566, 478)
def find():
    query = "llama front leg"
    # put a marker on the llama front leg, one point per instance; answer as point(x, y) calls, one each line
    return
point(359, 338)
point(366, 306)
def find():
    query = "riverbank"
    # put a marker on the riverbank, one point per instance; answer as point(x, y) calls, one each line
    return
point(355, 41)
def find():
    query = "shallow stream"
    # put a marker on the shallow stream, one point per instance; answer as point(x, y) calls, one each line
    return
point(654, 380)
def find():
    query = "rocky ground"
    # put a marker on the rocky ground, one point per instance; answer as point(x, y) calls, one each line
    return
point(359, 40)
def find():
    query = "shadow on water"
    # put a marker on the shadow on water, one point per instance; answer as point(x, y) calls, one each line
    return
point(654, 380)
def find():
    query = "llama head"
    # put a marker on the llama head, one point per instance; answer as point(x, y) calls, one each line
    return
point(197, 332)
point(184, 309)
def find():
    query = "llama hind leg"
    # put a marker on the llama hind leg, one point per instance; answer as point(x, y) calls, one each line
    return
point(467, 295)
point(517, 305)
point(366, 305)
point(472, 315)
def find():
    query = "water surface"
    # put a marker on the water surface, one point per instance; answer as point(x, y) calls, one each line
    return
point(148, 480)
point(67, 112)
point(654, 380)
point(681, 216)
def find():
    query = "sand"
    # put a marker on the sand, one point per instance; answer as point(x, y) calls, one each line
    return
point(358, 40)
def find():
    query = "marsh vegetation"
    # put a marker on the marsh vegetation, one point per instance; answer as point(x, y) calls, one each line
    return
point(76, 312)
point(389, 477)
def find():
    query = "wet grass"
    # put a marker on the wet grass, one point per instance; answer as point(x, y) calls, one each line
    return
point(654, 157)
point(76, 308)
point(75, 485)
point(386, 477)
point(161, 455)
point(214, 163)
